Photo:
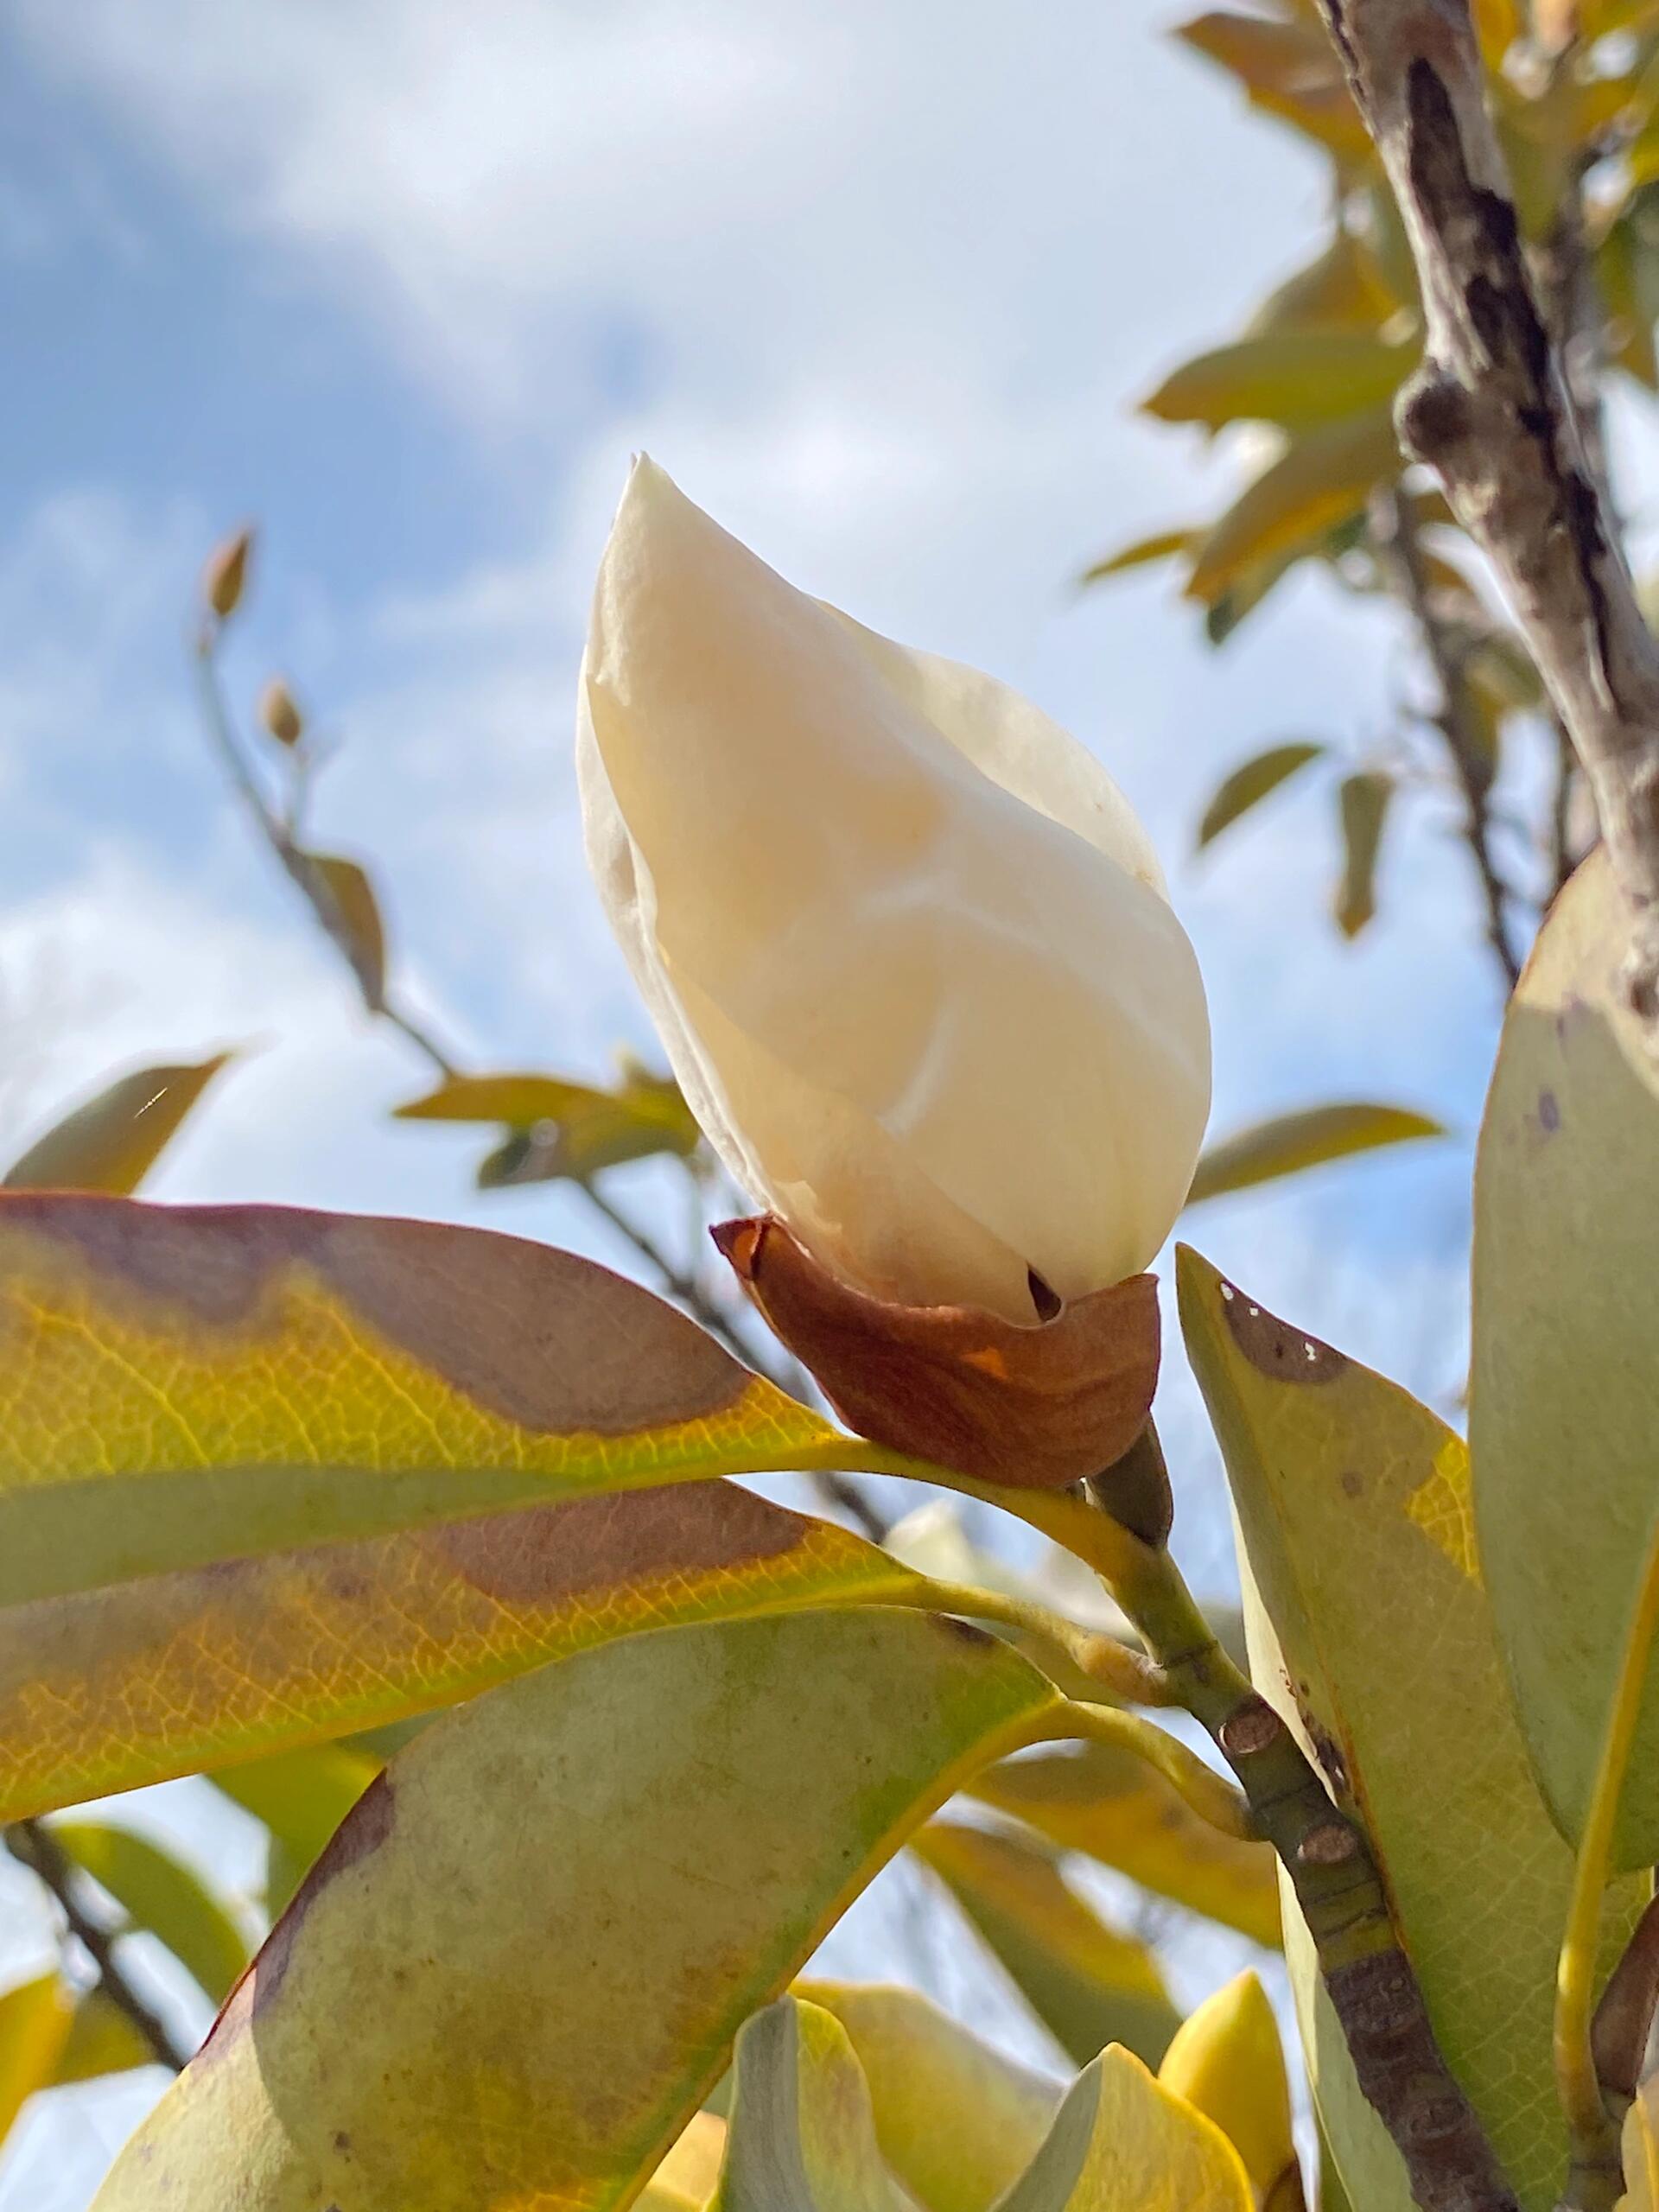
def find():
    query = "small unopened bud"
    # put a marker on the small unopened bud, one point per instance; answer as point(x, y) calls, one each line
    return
point(226, 574)
point(279, 713)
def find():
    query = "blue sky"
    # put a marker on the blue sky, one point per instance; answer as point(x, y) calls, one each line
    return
point(407, 284)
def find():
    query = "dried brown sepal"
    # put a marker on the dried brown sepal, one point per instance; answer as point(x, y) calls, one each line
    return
point(1624, 2018)
point(1035, 1408)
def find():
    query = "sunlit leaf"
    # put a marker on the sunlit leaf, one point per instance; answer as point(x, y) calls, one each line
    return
point(801, 2133)
point(602, 1869)
point(1102, 1800)
point(353, 916)
point(685, 2180)
point(1294, 378)
point(161, 1896)
point(34, 2023)
point(193, 1384)
point(1248, 785)
point(109, 1688)
point(1121, 2143)
point(955, 2120)
point(111, 1143)
point(1088, 1984)
point(1289, 1143)
point(1160, 547)
point(1363, 807)
point(1288, 70)
point(1640, 2148)
point(1227, 2061)
point(1369, 1625)
point(1565, 1323)
point(1321, 479)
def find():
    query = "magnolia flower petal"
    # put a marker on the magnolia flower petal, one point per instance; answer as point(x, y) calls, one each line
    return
point(914, 1011)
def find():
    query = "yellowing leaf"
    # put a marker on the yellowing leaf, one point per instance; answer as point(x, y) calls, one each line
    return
point(1120, 2143)
point(34, 2023)
point(1288, 70)
point(519, 1967)
point(1291, 1142)
point(957, 2122)
point(685, 2180)
point(109, 1688)
point(1368, 1626)
point(183, 1385)
point(1362, 805)
point(352, 912)
point(1143, 551)
point(1294, 378)
point(1321, 480)
point(1340, 289)
point(801, 2133)
point(160, 1895)
point(1640, 2148)
point(1250, 785)
point(1227, 2061)
point(1565, 1326)
point(111, 1143)
point(1102, 1800)
point(1089, 1984)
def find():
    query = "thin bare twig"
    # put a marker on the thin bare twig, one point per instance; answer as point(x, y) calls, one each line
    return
point(35, 1847)
point(1394, 529)
point(1489, 409)
point(276, 829)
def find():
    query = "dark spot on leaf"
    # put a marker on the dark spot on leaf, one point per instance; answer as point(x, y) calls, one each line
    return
point(1286, 1355)
point(1353, 1482)
point(1549, 1113)
point(550, 1554)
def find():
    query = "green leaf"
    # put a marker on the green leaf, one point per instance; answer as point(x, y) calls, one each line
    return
point(1121, 2143)
point(160, 1895)
point(245, 1379)
point(352, 914)
point(957, 2122)
point(1321, 480)
point(801, 2134)
point(1363, 806)
point(1088, 1985)
point(602, 1869)
point(1288, 70)
point(1104, 1801)
point(1363, 1593)
point(102, 2040)
point(1144, 550)
point(111, 1143)
point(557, 1128)
point(34, 2024)
point(1289, 1143)
point(1298, 379)
point(1566, 1322)
point(1247, 785)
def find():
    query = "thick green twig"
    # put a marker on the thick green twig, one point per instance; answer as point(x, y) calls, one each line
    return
point(1338, 1883)
point(35, 1847)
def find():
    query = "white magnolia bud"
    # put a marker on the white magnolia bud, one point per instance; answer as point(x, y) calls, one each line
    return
point(907, 945)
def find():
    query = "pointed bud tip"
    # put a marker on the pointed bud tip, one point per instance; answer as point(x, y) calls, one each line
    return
point(279, 712)
point(224, 578)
